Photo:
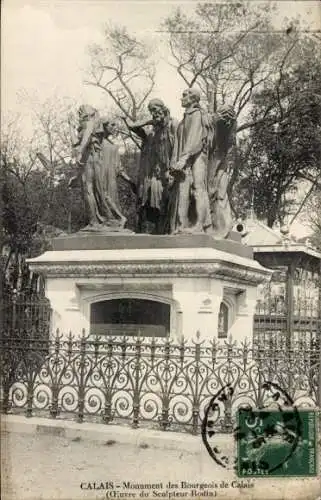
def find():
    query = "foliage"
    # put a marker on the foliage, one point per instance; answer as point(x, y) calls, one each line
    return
point(33, 212)
point(314, 216)
point(232, 52)
point(35, 198)
point(286, 147)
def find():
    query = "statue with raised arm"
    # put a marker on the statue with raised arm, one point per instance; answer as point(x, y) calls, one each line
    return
point(189, 205)
point(154, 182)
point(98, 162)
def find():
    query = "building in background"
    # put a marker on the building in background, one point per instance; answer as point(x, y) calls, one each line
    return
point(289, 306)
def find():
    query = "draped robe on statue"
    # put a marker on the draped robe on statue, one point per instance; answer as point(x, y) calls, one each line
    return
point(207, 147)
point(155, 160)
point(189, 190)
point(221, 162)
point(111, 169)
point(100, 163)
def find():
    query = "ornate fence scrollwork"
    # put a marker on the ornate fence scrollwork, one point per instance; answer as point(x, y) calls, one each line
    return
point(150, 381)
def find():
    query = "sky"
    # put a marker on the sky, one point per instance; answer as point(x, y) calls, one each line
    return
point(44, 47)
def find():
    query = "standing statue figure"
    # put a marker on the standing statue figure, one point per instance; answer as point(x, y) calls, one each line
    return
point(98, 162)
point(112, 167)
point(189, 205)
point(221, 162)
point(154, 179)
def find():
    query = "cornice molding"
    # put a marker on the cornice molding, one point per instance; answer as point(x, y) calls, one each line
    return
point(221, 269)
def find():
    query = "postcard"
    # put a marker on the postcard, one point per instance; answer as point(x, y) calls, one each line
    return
point(161, 250)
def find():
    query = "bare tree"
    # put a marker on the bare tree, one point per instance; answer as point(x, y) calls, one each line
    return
point(18, 171)
point(231, 51)
point(123, 67)
point(17, 152)
point(31, 168)
point(52, 131)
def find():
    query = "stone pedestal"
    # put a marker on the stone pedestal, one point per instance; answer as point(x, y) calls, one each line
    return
point(193, 275)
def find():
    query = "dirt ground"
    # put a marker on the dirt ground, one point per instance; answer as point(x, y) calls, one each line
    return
point(50, 467)
point(43, 467)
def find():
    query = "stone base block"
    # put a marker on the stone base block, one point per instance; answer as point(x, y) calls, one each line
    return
point(170, 290)
point(103, 241)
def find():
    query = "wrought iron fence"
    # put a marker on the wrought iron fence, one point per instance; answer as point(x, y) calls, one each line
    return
point(275, 325)
point(149, 382)
point(274, 334)
point(24, 314)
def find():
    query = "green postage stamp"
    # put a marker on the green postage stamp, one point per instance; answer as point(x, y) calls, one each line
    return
point(276, 443)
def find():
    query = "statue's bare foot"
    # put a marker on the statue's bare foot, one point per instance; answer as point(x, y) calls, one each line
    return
point(123, 221)
point(180, 230)
point(92, 227)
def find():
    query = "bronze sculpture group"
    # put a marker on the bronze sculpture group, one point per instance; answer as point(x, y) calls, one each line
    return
point(183, 174)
